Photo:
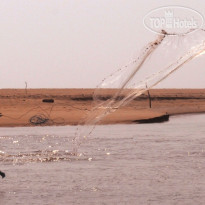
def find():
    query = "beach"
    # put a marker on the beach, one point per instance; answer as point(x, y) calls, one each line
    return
point(71, 106)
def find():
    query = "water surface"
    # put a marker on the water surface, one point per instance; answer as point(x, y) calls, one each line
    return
point(121, 164)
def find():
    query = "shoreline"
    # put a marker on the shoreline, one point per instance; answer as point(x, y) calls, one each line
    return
point(70, 106)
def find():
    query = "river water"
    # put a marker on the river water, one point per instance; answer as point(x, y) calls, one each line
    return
point(120, 164)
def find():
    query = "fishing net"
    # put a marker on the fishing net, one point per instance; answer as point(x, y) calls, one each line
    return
point(156, 62)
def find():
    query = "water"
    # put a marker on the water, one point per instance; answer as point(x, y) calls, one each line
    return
point(120, 164)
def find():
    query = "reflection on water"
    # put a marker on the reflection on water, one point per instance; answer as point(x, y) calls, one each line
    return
point(119, 164)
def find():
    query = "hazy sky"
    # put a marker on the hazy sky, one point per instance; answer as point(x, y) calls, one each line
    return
point(76, 43)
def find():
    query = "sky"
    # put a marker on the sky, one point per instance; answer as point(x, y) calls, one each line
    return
point(76, 43)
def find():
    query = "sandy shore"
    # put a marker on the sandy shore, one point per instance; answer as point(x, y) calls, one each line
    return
point(70, 106)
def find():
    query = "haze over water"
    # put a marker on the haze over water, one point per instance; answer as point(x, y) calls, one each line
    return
point(121, 164)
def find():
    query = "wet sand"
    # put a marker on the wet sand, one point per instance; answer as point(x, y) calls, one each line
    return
point(70, 106)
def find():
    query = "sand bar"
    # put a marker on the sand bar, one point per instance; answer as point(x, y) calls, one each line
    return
point(70, 106)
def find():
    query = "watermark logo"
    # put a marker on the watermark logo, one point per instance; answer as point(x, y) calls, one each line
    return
point(173, 19)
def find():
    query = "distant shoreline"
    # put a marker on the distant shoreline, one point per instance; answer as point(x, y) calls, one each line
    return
point(70, 106)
